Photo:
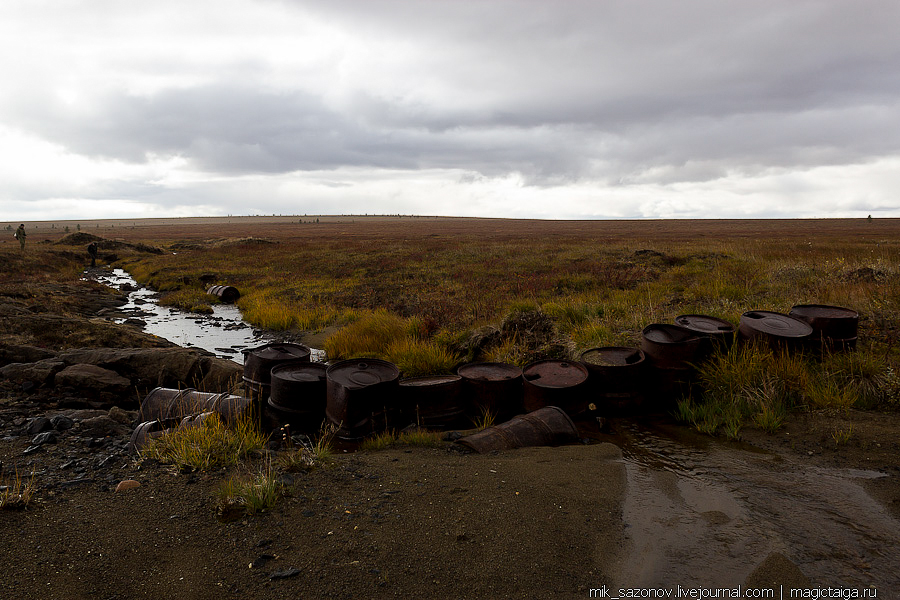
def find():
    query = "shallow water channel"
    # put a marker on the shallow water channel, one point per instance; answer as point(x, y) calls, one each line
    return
point(223, 333)
point(702, 512)
point(698, 511)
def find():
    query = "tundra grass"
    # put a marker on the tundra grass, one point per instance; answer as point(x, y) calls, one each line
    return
point(17, 493)
point(418, 438)
point(212, 445)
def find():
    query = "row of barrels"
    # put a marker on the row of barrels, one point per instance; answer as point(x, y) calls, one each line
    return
point(366, 395)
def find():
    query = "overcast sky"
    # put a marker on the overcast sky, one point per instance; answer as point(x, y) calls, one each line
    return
point(525, 108)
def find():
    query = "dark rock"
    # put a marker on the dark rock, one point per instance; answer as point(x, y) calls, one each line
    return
point(135, 322)
point(124, 417)
point(37, 372)
point(92, 377)
point(47, 437)
point(28, 386)
point(61, 422)
point(38, 425)
point(289, 572)
point(99, 427)
point(24, 354)
point(261, 561)
point(31, 450)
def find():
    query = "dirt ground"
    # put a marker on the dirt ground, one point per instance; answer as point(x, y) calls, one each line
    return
point(418, 523)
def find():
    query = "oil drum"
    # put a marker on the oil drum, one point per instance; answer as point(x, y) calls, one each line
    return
point(559, 383)
point(434, 402)
point(834, 328)
point(617, 379)
point(548, 426)
point(298, 395)
point(259, 361)
point(362, 396)
point(494, 387)
point(778, 331)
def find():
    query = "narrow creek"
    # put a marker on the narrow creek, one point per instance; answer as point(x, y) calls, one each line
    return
point(697, 511)
point(223, 333)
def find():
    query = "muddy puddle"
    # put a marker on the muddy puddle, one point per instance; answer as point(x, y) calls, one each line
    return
point(223, 333)
point(701, 512)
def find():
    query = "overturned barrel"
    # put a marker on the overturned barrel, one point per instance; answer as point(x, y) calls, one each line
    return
point(298, 395)
point(259, 361)
point(167, 403)
point(834, 327)
point(559, 383)
point(433, 402)
point(148, 430)
point(778, 331)
point(548, 426)
point(225, 293)
point(362, 396)
point(617, 379)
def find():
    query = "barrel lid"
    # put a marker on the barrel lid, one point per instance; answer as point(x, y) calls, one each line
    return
point(555, 373)
point(430, 380)
point(663, 333)
point(362, 372)
point(612, 356)
point(489, 371)
point(823, 311)
point(705, 324)
point(776, 324)
point(279, 351)
point(299, 371)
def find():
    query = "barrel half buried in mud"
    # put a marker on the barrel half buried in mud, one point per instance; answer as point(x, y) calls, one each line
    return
point(548, 426)
point(434, 402)
point(717, 333)
point(225, 293)
point(168, 403)
point(617, 379)
point(362, 396)
point(494, 387)
point(559, 383)
point(259, 361)
point(774, 329)
point(834, 327)
point(298, 395)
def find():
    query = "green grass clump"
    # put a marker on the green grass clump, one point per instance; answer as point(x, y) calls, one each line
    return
point(251, 494)
point(18, 493)
point(418, 438)
point(210, 446)
point(189, 299)
point(370, 335)
point(415, 357)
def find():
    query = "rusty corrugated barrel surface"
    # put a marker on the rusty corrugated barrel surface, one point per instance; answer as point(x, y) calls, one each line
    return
point(225, 293)
point(259, 361)
point(834, 327)
point(298, 395)
point(559, 383)
point(717, 333)
point(778, 331)
point(548, 426)
point(494, 387)
point(363, 396)
point(434, 402)
point(617, 379)
point(672, 352)
point(148, 430)
point(167, 403)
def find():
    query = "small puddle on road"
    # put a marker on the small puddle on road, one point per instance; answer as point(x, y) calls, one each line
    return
point(223, 333)
point(701, 512)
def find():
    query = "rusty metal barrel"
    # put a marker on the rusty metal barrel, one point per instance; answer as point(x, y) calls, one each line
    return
point(362, 396)
point(298, 395)
point(225, 293)
point(672, 352)
point(434, 402)
point(716, 333)
point(168, 403)
point(494, 387)
point(149, 430)
point(778, 331)
point(259, 361)
point(617, 379)
point(561, 383)
point(548, 426)
point(834, 327)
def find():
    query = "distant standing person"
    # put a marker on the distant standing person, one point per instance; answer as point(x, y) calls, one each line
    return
point(92, 250)
point(20, 235)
